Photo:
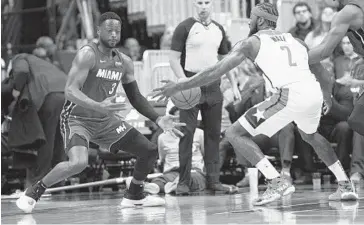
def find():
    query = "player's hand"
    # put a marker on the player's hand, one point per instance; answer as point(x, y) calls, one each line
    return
point(327, 105)
point(168, 124)
point(109, 106)
point(169, 89)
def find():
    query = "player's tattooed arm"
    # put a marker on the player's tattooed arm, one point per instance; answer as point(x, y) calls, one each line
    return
point(339, 27)
point(240, 51)
point(81, 65)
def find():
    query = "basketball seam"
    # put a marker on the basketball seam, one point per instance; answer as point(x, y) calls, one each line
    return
point(197, 96)
point(186, 99)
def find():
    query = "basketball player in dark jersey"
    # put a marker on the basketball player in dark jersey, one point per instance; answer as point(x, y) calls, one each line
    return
point(348, 21)
point(89, 115)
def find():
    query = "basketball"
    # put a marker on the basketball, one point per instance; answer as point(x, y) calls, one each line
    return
point(187, 99)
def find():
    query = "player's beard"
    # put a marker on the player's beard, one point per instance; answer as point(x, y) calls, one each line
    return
point(253, 31)
point(106, 43)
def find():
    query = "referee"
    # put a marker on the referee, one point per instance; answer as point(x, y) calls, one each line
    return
point(199, 42)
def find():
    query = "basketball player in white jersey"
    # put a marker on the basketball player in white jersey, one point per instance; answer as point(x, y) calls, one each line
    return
point(299, 99)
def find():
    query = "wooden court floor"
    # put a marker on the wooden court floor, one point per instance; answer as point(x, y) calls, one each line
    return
point(305, 206)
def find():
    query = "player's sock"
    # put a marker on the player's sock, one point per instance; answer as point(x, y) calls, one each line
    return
point(267, 169)
point(136, 187)
point(338, 171)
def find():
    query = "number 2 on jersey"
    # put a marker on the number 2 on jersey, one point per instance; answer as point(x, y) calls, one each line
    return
point(112, 89)
point(290, 61)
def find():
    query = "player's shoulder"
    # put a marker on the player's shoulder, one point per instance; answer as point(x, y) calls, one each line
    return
point(86, 55)
point(125, 59)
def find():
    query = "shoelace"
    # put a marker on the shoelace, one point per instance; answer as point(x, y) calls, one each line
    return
point(345, 186)
point(274, 186)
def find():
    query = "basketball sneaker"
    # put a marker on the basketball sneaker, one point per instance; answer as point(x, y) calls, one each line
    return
point(277, 188)
point(345, 192)
point(150, 188)
point(32, 194)
point(135, 197)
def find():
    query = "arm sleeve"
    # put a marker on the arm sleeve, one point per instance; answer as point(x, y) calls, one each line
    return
point(139, 102)
point(179, 38)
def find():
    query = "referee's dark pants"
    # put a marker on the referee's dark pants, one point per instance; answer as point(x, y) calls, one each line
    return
point(211, 110)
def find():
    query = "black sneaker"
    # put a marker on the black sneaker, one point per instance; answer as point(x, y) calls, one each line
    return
point(27, 201)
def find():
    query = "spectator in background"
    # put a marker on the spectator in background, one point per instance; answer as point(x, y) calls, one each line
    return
point(166, 39)
point(48, 45)
point(133, 49)
point(304, 21)
point(37, 88)
point(322, 28)
point(344, 62)
point(4, 73)
point(168, 148)
point(316, 36)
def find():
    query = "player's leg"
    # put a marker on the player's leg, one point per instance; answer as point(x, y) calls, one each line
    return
point(356, 120)
point(307, 124)
point(119, 135)
point(266, 118)
point(357, 160)
point(286, 142)
point(76, 140)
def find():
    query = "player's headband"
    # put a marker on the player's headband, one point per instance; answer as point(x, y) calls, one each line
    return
point(257, 12)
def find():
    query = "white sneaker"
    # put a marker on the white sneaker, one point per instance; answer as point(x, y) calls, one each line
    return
point(171, 186)
point(130, 201)
point(26, 203)
point(150, 188)
point(345, 192)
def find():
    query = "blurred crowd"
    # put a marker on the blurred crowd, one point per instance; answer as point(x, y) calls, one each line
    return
point(348, 145)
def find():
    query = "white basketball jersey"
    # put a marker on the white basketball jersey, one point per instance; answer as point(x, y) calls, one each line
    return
point(282, 59)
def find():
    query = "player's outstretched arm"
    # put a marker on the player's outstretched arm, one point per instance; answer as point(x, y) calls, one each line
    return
point(141, 104)
point(137, 100)
point(240, 51)
point(339, 27)
point(81, 65)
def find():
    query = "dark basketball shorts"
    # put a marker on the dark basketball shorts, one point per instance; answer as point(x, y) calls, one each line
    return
point(300, 102)
point(104, 132)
